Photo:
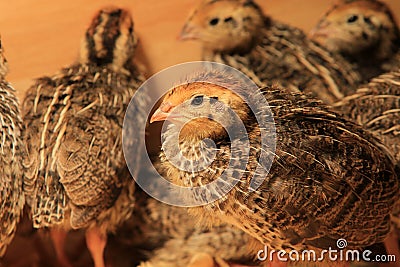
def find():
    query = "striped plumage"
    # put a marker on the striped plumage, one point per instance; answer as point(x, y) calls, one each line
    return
point(329, 178)
point(376, 106)
point(365, 32)
point(237, 33)
point(11, 155)
point(77, 176)
point(170, 237)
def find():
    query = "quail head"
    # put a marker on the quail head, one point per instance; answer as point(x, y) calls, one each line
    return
point(12, 198)
point(77, 176)
point(239, 34)
point(328, 178)
point(365, 32)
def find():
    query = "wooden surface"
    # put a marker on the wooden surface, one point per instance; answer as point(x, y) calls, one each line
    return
point(41, 36)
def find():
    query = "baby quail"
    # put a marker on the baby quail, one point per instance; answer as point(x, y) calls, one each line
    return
point(11, 154)
point(376, 107)
point(171, 237)
point(364, 32)
point(328, 179)
point(237, 33)
point(77, 176)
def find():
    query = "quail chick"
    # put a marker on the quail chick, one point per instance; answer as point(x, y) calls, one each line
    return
point(376, 106)
point(170, 237)
point(77, 176)
point(12, 198)
point(329, 178)
point(237, 33)
point(364, 32)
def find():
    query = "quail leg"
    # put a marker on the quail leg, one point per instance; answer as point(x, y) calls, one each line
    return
point(96, 243)
point(58, 237)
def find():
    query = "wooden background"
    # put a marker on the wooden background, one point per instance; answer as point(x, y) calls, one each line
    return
point(41, 36)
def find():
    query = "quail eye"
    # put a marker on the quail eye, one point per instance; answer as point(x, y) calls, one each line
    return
point(352, 19)
point(213, 99)
point(228, 19)
point(214, 21)
point(197, 100)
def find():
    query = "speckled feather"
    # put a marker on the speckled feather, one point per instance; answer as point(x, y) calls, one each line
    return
point(376, 106)
point(278, 53)
point(161, 229)
point(330, 179)
point(11, 154)
point(74, 130)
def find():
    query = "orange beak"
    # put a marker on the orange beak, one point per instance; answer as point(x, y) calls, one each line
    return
point(324, 29)
point(189, 32)
point(162, 113)
point(159, 115)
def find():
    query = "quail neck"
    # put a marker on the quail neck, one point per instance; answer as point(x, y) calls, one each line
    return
point(110, 40)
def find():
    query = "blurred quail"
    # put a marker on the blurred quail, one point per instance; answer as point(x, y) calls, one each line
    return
point(77, 175)
point(237, 33)
point(364, 32)
point(12, 198)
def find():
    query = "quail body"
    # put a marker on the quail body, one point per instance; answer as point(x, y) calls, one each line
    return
point(77, 176)
point(239, 34)
point(365, 32)
point(170, 237)
point(328, 178)
point(11, 154)
point(376, 106)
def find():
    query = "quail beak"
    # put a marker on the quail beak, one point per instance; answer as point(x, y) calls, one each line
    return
point(188, 33)
point(321, 30)
point(159, 115)
point(164, 113)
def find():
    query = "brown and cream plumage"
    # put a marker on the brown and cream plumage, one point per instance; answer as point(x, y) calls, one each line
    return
point(329, 178)
point(376, 106)
point(12, 198)
point(237, 33)
point(77, 176)
point(365, 32)
point(170, 237)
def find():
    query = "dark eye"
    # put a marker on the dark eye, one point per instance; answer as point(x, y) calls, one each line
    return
point(228, 19)
point(197, 100)
point(352, 19)
point(213, 99)
point(214, 21)
point(367, 20)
